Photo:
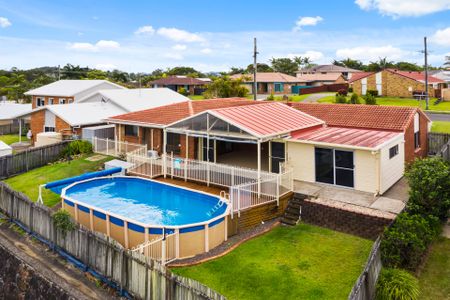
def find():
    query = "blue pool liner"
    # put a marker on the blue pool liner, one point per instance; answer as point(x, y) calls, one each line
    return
point(59, 185)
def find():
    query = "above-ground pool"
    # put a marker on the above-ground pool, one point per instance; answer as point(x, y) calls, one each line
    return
point(135, 210)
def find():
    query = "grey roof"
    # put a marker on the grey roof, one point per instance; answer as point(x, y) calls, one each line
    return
point(328, 68)
point(68, 87)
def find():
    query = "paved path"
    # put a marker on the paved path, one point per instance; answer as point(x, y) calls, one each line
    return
point(317, 96)
point(438, 117)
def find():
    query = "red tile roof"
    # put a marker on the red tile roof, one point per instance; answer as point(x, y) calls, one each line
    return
point(380, 117)
point(360, 75)
point(417, 76)
point(267, 77)
point(168, 114)
point(365, 138)
point(175, 80)
point(267, 119)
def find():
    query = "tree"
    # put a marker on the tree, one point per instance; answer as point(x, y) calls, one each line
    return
point(285, 65)
point(260, 67)
point(350, 63)
point(225, 87)
point(236, 70)
point(379, 65)
point(97, 74)
point(187, 71)
point(119, 76)
point(407, 66)
point(70, 71)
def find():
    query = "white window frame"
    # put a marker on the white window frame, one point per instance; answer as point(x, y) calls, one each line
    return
point(62, 101)
point(47, 127)
point(50, 101)
point(39, 100)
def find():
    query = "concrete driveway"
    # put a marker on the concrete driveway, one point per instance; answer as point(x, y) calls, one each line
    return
point(438, 117)
point(317, 96)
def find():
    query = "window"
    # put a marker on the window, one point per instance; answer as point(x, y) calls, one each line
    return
point(173, 143)
point(393, 151)
point(277, 156)
point(131, 130)
point(50, 101)
point(40, 101)
point(49, 129)
point(62, 100)
point(278, 87)
point(334, 167)
point(417, 140)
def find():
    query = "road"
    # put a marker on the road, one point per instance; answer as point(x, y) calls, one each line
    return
point(438, 117)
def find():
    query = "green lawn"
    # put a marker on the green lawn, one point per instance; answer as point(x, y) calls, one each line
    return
point(435, 277)
point(196, 97)
point(443, 106)
point(12, 138)
point(440, 126)
point(28, 183)
point(301, 262)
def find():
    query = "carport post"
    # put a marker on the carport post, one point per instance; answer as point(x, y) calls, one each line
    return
point(164, 152)
point(20, 130)
point(259, 168)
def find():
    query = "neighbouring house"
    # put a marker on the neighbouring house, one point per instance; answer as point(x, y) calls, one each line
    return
point(192, 86)
point(5, 149)
point(269, 136)
point(104, 104)
point(410, 121)
point(441, 74)
point(319, 79)
point(270, 82)
point(67, 91)
point(395, 83)
point(347, 73)
point(9, 111)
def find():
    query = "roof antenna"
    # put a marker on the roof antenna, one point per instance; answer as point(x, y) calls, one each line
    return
point(255, 84)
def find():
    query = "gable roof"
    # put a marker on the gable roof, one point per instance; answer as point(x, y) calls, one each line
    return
point(10, 110)
point(395, 118)
point(417, 76)
point(68, 88)
point(178, 80)
point(329, 68)
point(360, 75)
point(352, 137)
point(266, 119)
point(267, 77)
point(164, 115)
point(138, 99)
point(318, 77)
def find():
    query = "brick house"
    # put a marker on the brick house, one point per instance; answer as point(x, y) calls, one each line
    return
point(347, 73)
point(413, 122)
point(394, 83)
point(320, 79)
point(269, 82)
point(175, 83)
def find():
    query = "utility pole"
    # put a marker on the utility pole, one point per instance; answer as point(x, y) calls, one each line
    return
point(59, 73)
point(255, 84)
point(427, 98)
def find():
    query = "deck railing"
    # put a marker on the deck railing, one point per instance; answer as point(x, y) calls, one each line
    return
point(164, 249)
point(117, 148)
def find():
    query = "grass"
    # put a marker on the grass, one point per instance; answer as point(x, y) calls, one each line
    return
point(28, 183)
point(434, 279)
point(443, 106)
point(293, 98)
point(12, 138)
point(301, 262)
point(440, 126)
point(196, 97)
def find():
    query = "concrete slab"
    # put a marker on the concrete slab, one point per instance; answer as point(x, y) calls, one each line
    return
point(307, 188)
point(399, 191)
point(388, 204)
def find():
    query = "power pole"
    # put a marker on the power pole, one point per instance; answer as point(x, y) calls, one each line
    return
point(426, 72)
point(59, 73)
point(255, 84)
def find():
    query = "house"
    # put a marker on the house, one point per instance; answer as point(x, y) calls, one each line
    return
point(104, 103)
point(319, 79)
point(269, 82)
point(395, 83)
point(410, 121)
point(67, 91)
point(347, 73)
point(192, 86)
point(441, 74)
point(9, 111)
point(268, 136)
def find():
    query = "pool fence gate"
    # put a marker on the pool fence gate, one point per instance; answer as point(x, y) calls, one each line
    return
point(126, 270)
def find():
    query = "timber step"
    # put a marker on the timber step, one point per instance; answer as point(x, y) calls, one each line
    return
point(292, 213)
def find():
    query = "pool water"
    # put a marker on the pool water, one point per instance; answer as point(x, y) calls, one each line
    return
point(146, 201)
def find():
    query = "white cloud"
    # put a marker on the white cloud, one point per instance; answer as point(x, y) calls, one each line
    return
point(314, 56)
point(147, 29)
point(179, 35)
point(366, 53)
point(441, 37)
point(404, 8)
point(100, 45)
point(307, 21)
point(206, 51)
point(106, 67)
point(176, 56)
point(4, 22)
point(179, 47)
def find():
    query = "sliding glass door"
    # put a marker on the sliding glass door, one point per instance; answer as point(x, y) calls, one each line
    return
point(334, 167)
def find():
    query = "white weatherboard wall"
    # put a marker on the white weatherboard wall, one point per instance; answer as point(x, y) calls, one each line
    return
point(301, 158)
point(379, 82)
point(363, 86)
point(49, 119)
point(392, 169)
point(365, 171)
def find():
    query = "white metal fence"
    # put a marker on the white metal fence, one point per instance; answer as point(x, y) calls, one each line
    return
point(114, 147)
point(164, 249)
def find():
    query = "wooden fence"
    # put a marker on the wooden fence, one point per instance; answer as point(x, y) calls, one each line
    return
point(324, 88)
point(365, 287)
point(140, 276)
point(436, 141)
point(29, 159)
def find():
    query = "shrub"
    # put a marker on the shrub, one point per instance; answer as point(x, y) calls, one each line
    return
point(370, 99)
point(271, 97)
point(405, 242)
point(183, 91)
point(354, 99)
point(350, 89)
point(396, 284)
point(63, 221)
point(372, 92)
point(340, 99)
point(429, 181)
point(342, 92)
point(77, 147)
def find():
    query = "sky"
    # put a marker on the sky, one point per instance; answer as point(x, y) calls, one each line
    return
point(214, 35)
